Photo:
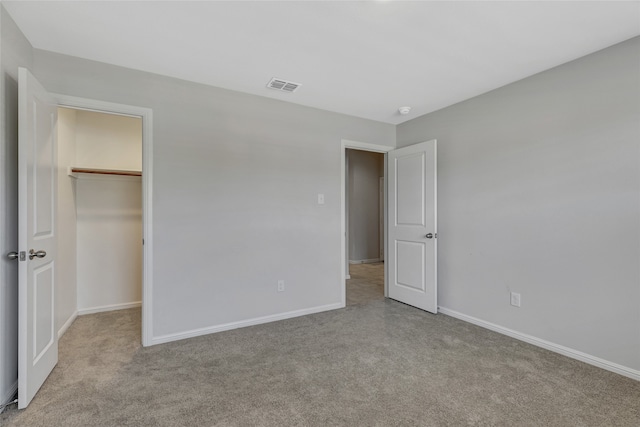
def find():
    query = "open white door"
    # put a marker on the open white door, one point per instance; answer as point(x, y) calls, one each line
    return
point(412, 226)
point(37, 239)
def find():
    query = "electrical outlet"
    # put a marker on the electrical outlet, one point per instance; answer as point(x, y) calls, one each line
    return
point(321, 199)
point(280, 285)
point(515, 299)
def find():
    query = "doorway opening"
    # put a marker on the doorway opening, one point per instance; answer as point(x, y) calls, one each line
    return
point(99, 212)
point(363, 222)
point(365, 226)
point(146, 116)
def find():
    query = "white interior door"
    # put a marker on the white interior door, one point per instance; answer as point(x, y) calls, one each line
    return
point(412, 226)
point(37, 239)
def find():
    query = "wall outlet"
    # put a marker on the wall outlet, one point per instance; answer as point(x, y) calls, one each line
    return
point(280, 285)
point(515, 299)
point(321, 199)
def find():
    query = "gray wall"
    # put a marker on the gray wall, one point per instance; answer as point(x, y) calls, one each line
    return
point(539, 193)
point(235, 182)
point(15, 51)
point(365, 169)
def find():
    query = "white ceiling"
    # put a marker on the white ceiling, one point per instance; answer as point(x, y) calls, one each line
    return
point(360, 58)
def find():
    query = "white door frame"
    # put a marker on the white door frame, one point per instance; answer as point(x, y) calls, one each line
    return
point(344, 262)
point(146, 114)
point(383, 215)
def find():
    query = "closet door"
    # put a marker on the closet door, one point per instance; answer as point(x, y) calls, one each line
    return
point(37, 238)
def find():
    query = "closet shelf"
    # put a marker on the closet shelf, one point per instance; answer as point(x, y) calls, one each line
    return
point(73, 171)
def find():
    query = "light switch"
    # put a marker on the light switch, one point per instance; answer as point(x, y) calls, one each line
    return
point(321, 199)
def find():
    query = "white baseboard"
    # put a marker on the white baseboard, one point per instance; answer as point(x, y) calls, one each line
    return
point(565, 351)
point(111, 307)
point(242, 323)
point(365, 261)
point(68, 323)
point(8, 396)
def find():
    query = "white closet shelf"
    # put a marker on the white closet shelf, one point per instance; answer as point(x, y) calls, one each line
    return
point(75, 172)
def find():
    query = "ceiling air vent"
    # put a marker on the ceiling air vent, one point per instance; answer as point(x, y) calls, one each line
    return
point(283, 85)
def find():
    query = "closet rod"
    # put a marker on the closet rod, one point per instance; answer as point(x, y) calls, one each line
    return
point(106, 171)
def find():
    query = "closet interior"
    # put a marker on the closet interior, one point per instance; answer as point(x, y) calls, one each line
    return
point(99, 212)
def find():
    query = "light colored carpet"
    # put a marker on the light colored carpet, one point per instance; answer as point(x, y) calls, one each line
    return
point(366, 283)
point(377, 364)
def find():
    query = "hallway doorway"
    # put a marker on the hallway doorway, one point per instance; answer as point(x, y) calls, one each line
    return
point(364, 202)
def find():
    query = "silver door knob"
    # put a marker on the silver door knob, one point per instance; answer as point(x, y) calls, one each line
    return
point(429, 236)
point(12, 255)
point(39, 254)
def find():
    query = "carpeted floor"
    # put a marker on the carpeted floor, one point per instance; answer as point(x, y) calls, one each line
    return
point(376, 364)
point(366, 283)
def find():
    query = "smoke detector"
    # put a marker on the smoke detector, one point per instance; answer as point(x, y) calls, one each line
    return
point(283, 85)
point(404, 110)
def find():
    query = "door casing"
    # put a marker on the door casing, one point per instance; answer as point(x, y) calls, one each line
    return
point(146, 114)
point(344, 262)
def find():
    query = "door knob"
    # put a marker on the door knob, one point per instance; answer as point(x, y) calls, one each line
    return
point(13, 255)
point(429, 236)
point(39, 254)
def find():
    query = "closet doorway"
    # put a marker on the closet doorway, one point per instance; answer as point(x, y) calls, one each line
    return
point(99, 210)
